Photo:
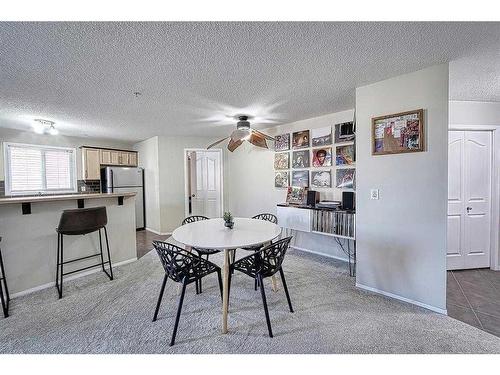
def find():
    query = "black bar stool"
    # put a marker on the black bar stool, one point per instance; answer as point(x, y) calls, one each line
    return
point(81, 221)
point(4, 291)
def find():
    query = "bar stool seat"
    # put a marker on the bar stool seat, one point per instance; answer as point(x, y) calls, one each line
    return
point(4, 290)
point(81, 221)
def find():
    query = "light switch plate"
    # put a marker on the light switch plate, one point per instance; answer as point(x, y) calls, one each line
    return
point(374, 194)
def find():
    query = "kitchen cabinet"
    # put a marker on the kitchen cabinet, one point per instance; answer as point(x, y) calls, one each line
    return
point(91, 168)
point(124, 159)
point(105, 156)
point(132, 159)
point(115, 158)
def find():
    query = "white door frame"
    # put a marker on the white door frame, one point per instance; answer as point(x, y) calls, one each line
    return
point(186, 177)
point(495, 188)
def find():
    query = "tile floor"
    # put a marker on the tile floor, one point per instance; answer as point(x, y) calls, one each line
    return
point(473, 296)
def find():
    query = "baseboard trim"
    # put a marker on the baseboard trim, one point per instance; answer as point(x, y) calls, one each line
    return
point(158, 233)
point(404, 299)
point(76, 276)
point(319, 253)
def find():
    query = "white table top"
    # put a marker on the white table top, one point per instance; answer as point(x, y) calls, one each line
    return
point(212, 234)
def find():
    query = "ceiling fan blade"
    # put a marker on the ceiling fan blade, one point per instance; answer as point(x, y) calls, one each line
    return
point(234, 144)
point(268, 137)
point(216, 143)
point(258, 140)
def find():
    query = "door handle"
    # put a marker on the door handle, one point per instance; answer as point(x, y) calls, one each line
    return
point(469, 209)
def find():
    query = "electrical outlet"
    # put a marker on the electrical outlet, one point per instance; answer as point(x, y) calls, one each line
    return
point(374, 194)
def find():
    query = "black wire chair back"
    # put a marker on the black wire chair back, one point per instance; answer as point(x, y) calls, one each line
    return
point(268, 217)
point(180, 264)
point(192, 219)
point(266, 262)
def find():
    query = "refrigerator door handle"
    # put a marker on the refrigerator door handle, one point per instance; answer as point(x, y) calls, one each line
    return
point(112, 183)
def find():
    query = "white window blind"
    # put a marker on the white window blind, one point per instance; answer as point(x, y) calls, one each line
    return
point(33, 169)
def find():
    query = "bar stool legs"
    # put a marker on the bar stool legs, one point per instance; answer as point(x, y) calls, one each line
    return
point(60, 261)
point(4, 290)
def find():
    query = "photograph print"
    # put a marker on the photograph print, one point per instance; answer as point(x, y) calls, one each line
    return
point(344, 132)
point(322, 157)
point(300, 178)
point(300, 159)
point(282, 142)
point(300, 139)
point(346, 178)
point(344, 155)
point(281, 160)
point(281, 179)
point(321, 179)
point(321, 136)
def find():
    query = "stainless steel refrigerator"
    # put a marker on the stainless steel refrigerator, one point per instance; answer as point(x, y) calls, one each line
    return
point(126, 179)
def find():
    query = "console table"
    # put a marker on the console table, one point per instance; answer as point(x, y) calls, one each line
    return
point(336, 223)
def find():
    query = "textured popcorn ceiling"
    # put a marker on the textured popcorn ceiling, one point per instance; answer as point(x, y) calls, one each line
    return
point(193, 75)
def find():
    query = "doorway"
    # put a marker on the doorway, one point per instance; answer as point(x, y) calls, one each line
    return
point(469, 199)
point(203, 182)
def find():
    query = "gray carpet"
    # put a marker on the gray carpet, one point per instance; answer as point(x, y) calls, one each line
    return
point(331, 316)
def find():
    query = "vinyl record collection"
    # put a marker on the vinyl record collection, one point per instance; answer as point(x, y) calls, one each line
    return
point(338, 223)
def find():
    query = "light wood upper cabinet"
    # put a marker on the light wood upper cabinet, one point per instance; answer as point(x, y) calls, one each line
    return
point(91, 168)
point(93, 158)
point(105, 157)
point(132, 159)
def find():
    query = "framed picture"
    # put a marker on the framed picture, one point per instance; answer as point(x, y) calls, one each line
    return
point(281, 160)
point(344, 132)
point(300, 178)
point(346, 178)
point(296, 195)
point(321, 136)
point(398, 133)
point(281, 179)
point(300, 139)
point(282, 142)
point(322, 157)
point(344, 155)
point(300, 159)
point(321, 179)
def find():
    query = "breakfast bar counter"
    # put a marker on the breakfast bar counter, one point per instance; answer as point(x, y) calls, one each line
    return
point(29, 238)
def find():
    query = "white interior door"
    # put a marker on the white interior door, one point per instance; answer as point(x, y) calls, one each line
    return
point(469, 199)
point(205, 182)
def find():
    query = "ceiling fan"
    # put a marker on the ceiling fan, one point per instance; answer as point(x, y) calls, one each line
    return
point(243, 133)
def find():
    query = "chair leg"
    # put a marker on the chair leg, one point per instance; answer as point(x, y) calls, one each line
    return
point(263, 293)
point(60, 289)
point(3, 283)
point(57, 261)
point(219, 279)
point(282, 275)
point(233, 256)
point(197, 287)
point(160, 297)
point(109, 255)
point(181, 300)
point(255, 284)
point(100, 249)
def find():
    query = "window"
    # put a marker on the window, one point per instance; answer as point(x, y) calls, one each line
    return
point(39, 169)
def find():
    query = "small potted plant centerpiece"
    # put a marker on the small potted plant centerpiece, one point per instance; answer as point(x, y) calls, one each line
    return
point(228, 220)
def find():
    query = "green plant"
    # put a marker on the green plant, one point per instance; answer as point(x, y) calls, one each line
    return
point(228, 217)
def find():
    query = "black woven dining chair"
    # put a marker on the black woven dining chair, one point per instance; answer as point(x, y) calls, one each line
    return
point(199, 250)
point(262, 264)
point(183, 267)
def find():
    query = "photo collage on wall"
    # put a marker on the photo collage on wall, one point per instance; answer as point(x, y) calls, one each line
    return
point(305, 158)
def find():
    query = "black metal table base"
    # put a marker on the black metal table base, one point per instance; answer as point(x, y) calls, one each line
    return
point(4, 290)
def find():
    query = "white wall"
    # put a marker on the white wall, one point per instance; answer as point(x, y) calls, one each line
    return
point(251, 176)
point(163, 160)
point(148, 159)
point(401, 238)
point(12, 135)
point(484, 115)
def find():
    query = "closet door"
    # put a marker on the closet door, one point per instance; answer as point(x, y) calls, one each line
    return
point(469, 199)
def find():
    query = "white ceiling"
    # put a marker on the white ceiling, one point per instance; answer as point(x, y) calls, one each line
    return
point(191, 75)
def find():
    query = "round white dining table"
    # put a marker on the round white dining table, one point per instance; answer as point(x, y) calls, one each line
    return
point(212, 234)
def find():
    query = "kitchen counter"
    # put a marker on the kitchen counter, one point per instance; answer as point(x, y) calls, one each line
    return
point(60, 197)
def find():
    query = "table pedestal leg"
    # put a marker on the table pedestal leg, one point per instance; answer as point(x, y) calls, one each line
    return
point(274, 283)
point(225, 290)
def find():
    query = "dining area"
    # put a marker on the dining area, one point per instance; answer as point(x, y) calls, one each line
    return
point(262, 255)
